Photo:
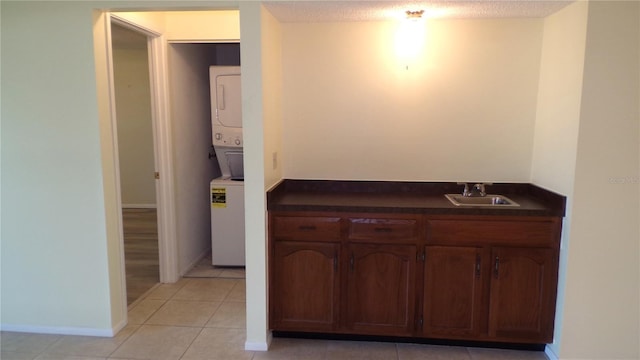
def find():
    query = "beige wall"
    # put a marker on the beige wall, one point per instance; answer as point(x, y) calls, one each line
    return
point(464, 110)
point(54, 259)
point(557, 122)
point(76, 227)
point(601, 307)
point(272, 71)
point(135, 130)
point(202, 26)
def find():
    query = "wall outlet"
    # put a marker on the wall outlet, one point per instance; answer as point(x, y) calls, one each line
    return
point(274, 158)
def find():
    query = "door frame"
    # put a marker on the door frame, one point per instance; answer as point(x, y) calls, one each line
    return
point(162, 143)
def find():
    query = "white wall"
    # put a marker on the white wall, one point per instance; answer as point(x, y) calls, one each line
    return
point(135, 130)
point(272, 72)
point(558, 118)
point(55, 268)
point(191, 131)
point(464, 110)
point(61, 258)
point(251, 50)
point(76, 285)
point(601, 312)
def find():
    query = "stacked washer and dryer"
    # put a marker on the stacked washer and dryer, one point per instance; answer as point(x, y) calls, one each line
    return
point(227, 191)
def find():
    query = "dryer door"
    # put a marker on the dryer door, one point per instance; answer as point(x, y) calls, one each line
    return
point(228, 103)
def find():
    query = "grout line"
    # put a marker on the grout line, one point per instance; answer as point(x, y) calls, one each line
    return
point(191, 343)
point(142, 297)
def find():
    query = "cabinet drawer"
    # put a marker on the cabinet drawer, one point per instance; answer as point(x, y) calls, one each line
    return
point(496, 232)
point(311, 228)
point(382, 230)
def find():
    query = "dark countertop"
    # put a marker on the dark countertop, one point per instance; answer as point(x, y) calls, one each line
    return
point(406, 197)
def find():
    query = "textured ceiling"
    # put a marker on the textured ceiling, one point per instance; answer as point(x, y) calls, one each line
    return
point(356, 10)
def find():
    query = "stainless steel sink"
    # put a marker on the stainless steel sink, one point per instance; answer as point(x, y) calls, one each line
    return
point(487, 200)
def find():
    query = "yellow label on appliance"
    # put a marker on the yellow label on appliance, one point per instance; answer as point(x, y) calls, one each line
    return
point(219, 197)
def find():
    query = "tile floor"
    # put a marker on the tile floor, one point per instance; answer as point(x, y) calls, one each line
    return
point(196, 319)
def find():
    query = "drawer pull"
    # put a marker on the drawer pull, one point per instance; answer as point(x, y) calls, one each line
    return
point(383, 230)
point(307, 227)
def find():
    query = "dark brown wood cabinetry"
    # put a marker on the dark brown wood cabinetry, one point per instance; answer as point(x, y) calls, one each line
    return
point(305, 277)
point(523, 292)
point(485, 278)
point(380, 289)
point(453, 292)
point(491, 279)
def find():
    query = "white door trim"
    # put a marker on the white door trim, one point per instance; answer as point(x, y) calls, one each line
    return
point(165, 193)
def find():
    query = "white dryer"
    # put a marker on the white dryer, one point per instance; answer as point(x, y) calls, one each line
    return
point(227, 191)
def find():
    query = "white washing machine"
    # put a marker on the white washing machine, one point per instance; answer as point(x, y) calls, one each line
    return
point(227, 191)
point(227, 222)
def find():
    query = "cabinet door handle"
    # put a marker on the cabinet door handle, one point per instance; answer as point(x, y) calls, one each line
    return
point(351, 262)
point(496, 267)
point(478, 265)
point(306, 227)
point(335, 262)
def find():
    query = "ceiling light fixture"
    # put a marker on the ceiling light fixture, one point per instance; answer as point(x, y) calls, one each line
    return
point(414, 14)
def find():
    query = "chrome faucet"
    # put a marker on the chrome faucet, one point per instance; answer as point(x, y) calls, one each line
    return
point(477, 190)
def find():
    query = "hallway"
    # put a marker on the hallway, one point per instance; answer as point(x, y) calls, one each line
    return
point(142, 266)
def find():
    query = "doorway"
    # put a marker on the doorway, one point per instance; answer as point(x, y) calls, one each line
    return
point(136, 159)
point(181, 110)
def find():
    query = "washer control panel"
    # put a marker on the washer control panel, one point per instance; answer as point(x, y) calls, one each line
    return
point(227, 136)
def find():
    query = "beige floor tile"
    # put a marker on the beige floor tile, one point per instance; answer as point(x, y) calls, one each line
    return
point(166, 291)
point(89, 346)
point(500, 354)
point(142, 311)
point(157, 342)
point(233, 273)
point(294, 349)
point(67, 357)
point(342, 350)
point(214, 344)
point(11, 355)
point(432, 352)
point(230, 314)
point(205, 289)
point(25, 342)
point(238, 292)
point(184, 313)
point(204, 272)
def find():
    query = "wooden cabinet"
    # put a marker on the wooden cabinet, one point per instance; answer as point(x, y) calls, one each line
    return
point(491, 279)
point(348, 274)
point(305, 279)
point(453, 292)
point(380, 289)
point(304, 275)
point(481, 278)
point(523, 288)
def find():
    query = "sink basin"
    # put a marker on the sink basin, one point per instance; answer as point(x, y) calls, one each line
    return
point(487, 200)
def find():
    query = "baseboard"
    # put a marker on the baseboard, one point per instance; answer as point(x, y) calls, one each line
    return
point(61, 330)
point(195, 262)
point(139, 206)
point(550, 354)
point(259, 346)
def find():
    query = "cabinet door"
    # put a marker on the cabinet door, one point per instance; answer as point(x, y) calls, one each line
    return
point(453, 292)
point(381, 289)
point(305, 286)
point(523, 287)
